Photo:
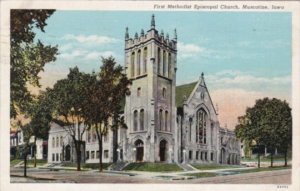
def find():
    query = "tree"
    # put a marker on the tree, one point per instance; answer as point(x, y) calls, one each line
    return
point(268, 123)
point(40, 112)
point(69, 97)
point(105, 92)
point(28, 56)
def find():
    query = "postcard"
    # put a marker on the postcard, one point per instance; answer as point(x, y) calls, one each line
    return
point(171, 95)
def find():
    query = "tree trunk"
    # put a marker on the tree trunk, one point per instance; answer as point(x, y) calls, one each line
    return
point(100, 153)
point(285, 158)
point(25, 161)
point(78, 155)
point(34, 152)
point(115, 145)
point(272, 159)
point(258, 155)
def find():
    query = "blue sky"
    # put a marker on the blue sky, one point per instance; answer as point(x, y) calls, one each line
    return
point(244, 56)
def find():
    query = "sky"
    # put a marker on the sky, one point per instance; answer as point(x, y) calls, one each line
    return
point(244, 56)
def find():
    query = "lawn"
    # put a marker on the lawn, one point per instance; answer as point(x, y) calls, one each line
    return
point(213, 167)
point(153, 167)
point(15, 162)
point(39, 162)
point(87, 165)
point(278, 158)
point(202, 174)
point(232, 172)
point(260, 169)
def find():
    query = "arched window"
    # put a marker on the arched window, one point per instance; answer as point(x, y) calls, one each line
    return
point(164, 63)
point(164, 92)
point(132, 64)
point(61, 141)
point(89, 136)
point(158, 60)
point(201, 126)
point(142, 120)
point(169, 65)
point(190, 129)
point(138, 93)
point(57, 142)
point(135, 120)
point(145, 56)
point(166, 120)
point(53, 142)
point(160, 119)
point(139, 62)
point(212, 134)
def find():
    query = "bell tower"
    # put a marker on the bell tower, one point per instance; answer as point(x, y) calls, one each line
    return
point(150, 111)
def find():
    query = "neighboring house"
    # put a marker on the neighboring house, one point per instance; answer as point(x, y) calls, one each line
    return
point(16, 141)
point(165, 123)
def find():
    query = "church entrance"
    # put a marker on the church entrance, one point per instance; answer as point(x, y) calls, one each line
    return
point(162, 150)
point(139, 145)
point(68, 153)
point(222, 158)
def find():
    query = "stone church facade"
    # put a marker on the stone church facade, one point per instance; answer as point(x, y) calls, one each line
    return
point(163, 125)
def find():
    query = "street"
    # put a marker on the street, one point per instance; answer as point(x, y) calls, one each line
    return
point(67, 176)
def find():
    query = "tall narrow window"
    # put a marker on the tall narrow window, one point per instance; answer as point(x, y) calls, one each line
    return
point(166, 120)
point(89, 136)
point(138, 93)
point(169, 65)
point(212, 134)
point(164, 92)
point(164, 63)
point(61, 141)
point(158, 60)
point(145, 59)
point(201, 127)
point(132, 64)
point(190, 125)
point(53, 142)
point(135, 120)
point(139, 62)
point(142, 120)
point(160, 120)
point(57, 142)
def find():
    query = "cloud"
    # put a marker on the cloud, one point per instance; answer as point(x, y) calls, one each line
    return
point(94, 55)
point(233, 77)
point(73, 54)
point(65, 47)
point(189, 50)
point(91, 39)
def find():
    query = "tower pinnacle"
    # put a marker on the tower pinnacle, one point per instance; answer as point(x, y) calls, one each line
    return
point(175, 34)
point(126, 33)
point(152, 22)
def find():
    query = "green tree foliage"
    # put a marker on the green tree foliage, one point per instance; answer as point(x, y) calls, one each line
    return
point(39, 111)
point(28, 56)
point(268, 123)
point(103, 104)
point(68, 96)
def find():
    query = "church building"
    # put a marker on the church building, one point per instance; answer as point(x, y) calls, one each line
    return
point(166, 123)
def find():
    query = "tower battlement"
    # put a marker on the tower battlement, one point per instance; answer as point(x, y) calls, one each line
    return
point(151, 34)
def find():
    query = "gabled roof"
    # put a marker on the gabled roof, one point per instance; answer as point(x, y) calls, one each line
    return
point(201, 82)
point(183, 92)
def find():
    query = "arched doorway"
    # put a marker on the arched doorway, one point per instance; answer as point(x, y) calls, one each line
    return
point(163, 150)
point(139, 145)
point(222, 158)
point(68, 153)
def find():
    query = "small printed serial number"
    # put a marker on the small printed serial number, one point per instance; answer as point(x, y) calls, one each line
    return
point(282, 186)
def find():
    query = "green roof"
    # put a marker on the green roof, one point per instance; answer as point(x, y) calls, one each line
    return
point(183, 91)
